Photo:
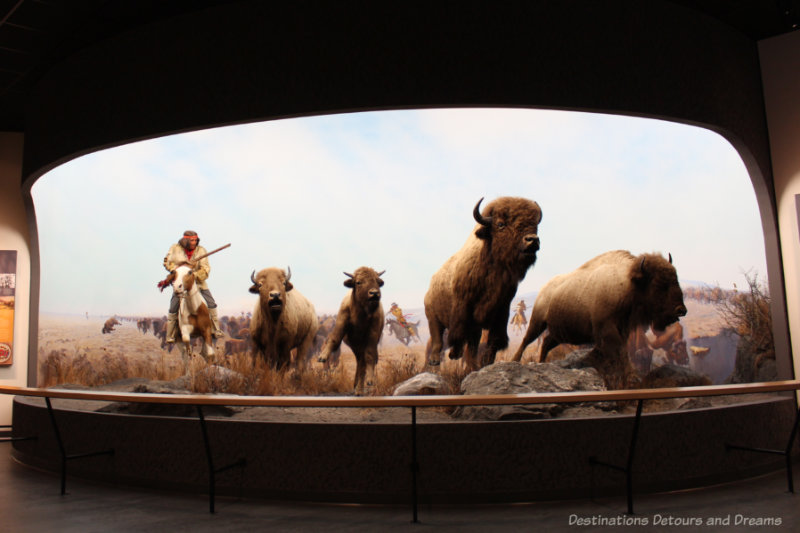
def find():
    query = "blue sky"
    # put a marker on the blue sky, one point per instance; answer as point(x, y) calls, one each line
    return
point(393, 190)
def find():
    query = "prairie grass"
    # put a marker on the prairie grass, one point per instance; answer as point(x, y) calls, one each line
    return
point(81, 367)
point(237, 373)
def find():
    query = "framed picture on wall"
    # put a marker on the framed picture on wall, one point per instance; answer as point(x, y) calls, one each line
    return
point(8, 280)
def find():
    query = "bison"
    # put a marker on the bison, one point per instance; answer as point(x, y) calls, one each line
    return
point(283, 319)
point(360, 324)
point(109, 324)
point(474, 288)
point(602, 302)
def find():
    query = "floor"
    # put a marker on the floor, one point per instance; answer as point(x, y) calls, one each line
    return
point(30, 501)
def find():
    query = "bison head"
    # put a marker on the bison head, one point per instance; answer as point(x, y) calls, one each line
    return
point(511, 227)
point(272, 284)
point(366, 284)
point(656, 281)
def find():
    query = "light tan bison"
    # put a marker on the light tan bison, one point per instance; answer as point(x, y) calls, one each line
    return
point(359, 324)
point(602, 302)
point(283, 319)
point(474, 288)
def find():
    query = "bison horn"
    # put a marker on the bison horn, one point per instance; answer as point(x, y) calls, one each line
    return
point(348, 275)
point(381, 273)
point(670, 258)
point(480, 219)
point(288, 273)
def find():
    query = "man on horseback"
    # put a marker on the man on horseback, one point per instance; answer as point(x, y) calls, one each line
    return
point(401, 318)
point(519, 320)
point(182, 252)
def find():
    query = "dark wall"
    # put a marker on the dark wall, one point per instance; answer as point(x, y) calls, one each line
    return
point(256, 60)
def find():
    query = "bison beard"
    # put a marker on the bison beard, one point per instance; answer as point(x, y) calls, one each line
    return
point(473, 290)
point(602, 302)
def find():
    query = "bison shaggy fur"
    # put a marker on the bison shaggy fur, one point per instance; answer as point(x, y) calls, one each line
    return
point(359, 323)
point(473, 290)
point(602, 302)
point(283, 319)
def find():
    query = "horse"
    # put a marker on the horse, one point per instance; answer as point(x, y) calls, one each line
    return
point(402, 334)
point(193, 316)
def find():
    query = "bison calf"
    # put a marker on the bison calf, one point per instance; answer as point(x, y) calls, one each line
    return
point(359, 324)
point(602, 302)
point(283, 319)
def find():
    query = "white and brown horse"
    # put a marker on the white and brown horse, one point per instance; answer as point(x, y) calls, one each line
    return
point(193, 316)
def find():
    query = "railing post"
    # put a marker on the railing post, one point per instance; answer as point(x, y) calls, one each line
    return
point(414, 463)
point(212, 472)
point(628, 468)
point(62, 448)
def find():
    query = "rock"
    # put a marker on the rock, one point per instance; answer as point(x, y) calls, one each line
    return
point(515, 378)
point(178, 386)
point(426, 383)
point(670, 375)
point(576, 359)
point(754, 362)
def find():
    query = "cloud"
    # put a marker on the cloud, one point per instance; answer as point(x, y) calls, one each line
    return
point(392, 190)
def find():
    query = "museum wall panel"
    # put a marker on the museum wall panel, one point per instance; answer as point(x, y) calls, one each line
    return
point(780, 57)
point(14, 237)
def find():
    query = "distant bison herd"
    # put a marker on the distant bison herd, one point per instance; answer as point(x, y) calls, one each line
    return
point(467, 304)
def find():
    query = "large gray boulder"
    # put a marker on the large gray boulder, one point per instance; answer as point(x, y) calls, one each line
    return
point(515, 378)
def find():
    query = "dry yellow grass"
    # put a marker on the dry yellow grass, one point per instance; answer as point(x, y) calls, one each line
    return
point(74, 351)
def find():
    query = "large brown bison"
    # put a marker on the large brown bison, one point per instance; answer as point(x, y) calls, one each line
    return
point(359, 324)
point(474, 288)
point(602, 302)
point(283, 319)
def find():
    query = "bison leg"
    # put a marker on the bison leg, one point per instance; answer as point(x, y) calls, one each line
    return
point(436, 344)
point(361, 370)
point(303, 351)
point(496, 340)
point(535, 328)
point(472, 353)
point(609, 358)
point(548, 344)
point(370, 362)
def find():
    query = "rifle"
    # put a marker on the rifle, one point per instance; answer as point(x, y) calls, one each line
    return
point(198, 258)
point(166, 282)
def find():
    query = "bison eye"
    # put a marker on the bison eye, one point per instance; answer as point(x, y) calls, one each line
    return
point(501, 225)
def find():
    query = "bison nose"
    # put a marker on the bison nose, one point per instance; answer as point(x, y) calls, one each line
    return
point(680, 310)
point(274, 295)
point(374, 293)
point(532, 241)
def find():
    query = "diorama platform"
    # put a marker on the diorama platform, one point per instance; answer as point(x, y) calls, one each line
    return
point(370, 462)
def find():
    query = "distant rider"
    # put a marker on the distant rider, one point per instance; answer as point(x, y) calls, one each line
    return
point(401, 318)
point(182, 252)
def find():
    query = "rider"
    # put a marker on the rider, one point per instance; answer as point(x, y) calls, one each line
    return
point(182, 252)
point(398, 313)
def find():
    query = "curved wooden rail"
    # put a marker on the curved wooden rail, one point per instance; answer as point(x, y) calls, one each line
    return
point(412, 402)
point(407, 401)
